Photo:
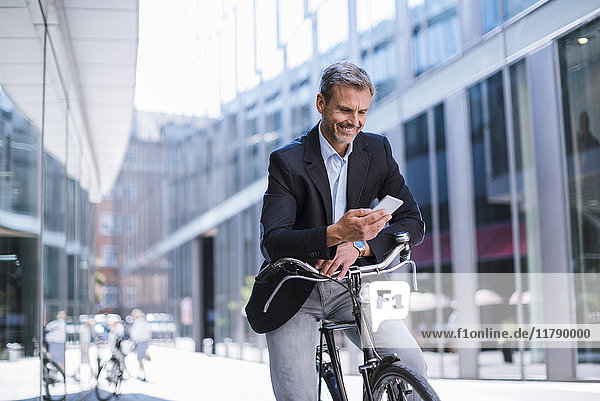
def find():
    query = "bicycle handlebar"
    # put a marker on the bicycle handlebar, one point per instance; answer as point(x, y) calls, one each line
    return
point(384, 267)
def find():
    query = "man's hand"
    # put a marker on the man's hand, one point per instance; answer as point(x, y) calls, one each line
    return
point(357, 225)
point(345, 256)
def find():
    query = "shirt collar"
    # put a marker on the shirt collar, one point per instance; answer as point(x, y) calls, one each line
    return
point(327, 150)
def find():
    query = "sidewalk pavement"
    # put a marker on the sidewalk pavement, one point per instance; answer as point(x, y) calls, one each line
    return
point(182, 375)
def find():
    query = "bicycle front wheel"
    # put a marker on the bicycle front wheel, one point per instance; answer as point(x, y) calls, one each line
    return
point(54, 382)
point(109, 380)
point(397, 382)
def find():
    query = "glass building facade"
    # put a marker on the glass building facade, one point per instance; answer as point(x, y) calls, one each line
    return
point(46, 247)
point(491, 110)
point(49, 181)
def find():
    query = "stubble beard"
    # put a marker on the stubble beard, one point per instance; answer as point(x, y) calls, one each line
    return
point(339, 136)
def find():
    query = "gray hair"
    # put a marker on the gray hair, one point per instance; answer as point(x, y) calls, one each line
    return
point(344, 73)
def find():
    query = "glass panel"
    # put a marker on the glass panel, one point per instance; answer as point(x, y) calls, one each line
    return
point(513, 7)
point(59, 325)
point(492, 16)
point(531, 296)
point(444, 285)
point(269, 58)
point(496, 12)
point(433, 255)
point(19, 160)
point(19, 251)
point(370, 13)
point(492, 218)
point(443, 32)
point(580, 77)
point(381, 62)
point(300, 44)
point(435, 31)
point(332, 25)
point(418, 174)
point(418, 178)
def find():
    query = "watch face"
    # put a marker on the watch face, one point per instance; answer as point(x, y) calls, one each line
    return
point(360, 245)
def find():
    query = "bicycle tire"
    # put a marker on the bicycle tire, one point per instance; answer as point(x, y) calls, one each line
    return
point(396, 382)
point(109, 380)
point(54, 382)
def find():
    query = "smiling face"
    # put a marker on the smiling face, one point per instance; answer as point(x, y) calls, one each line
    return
point(344, 115)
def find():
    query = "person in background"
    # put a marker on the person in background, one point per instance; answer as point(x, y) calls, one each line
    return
point(585, 139)
point(85, 338)
point(141, 334)
point(116, 330)
point(56, 337)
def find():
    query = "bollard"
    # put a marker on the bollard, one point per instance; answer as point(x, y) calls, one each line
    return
point(227, 341)
point(15, 351)
point(207, 346)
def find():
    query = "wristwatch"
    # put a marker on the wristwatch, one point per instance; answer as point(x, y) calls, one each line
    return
point(361, 246)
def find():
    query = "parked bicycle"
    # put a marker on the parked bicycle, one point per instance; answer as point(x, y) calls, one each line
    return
point(53, 377)
point(385, 377)
point(111, 373)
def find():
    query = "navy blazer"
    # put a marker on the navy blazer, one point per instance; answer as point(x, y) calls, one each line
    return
point(297, 209)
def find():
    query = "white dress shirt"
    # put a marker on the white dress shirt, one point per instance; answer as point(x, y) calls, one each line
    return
point(337, 172)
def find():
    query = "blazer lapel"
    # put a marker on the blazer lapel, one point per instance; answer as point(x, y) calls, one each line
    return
point(316, 170)
point(358, 164)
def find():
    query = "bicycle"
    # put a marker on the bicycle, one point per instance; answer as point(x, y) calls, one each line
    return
point(53, 377)
point(384, 377)
point(111, 374)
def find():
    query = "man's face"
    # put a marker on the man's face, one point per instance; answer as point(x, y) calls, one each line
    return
point(344, 115)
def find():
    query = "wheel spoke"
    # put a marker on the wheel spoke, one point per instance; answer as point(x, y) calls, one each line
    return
point(399, 383)
point(109, 378)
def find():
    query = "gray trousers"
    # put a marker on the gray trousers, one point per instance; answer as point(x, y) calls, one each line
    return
point(292, 347)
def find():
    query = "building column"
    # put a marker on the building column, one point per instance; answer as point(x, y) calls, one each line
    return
point(553, 213)
point(403, 44)
point(462, 223)
point(353, 38)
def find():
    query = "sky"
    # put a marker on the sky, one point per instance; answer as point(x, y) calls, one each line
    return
point(187, 53)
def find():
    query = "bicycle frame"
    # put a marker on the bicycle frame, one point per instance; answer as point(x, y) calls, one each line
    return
point(353, 282)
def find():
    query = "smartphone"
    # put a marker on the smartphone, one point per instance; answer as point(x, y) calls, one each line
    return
point(389, 203)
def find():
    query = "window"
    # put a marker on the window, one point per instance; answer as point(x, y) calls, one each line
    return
point(489, 155)
point(130, 254)
point(496, 12)
point(130, 191)
point(579, 53)
point(108, 224)
point(435, 32)
point(110, 296)
point(110, 255)
point(129, 296)
point(129, 225)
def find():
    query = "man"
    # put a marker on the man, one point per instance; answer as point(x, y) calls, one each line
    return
point(141, 334)
point(56, 337)
point(316, 208)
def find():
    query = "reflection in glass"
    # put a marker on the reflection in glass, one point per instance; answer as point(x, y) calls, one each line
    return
point(580, 76)
point(492, 15)
point(19, 253)
point(417, 167)
point(19, 160)
point(435, 32)
point(426, 176)
point(513, 7)
point(332, 24)
point(529, 250)
point(493, 226)
point(497, 11)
